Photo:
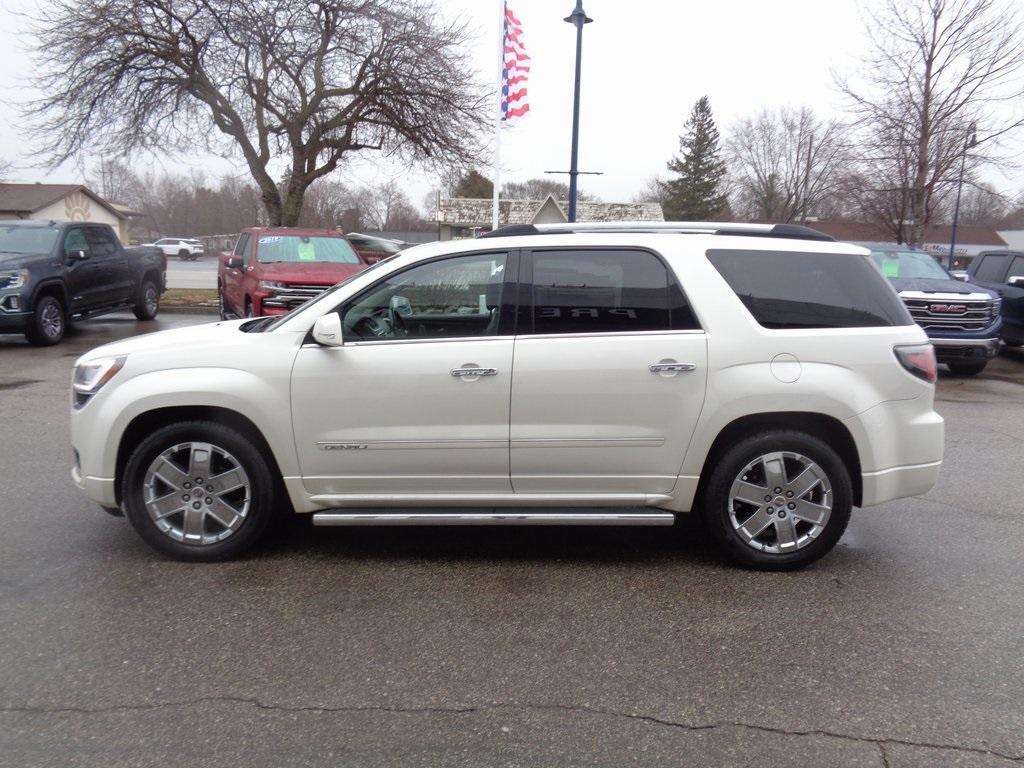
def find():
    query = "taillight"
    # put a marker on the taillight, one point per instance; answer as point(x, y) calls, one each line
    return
point(919, 359)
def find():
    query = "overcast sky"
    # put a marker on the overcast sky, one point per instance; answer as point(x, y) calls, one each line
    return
point(644, 64)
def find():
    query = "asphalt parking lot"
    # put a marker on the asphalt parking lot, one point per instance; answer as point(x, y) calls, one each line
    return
point(523, 647)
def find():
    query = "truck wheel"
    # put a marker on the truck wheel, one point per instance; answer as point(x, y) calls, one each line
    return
point(220, 301)
point(184, 255)
point(198, 491)
point(147, 301)
point(778, 500)
point(48, 322)
point(967, 369)
point(248, 309)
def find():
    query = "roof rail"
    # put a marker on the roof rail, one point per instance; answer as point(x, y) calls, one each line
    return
point(791, 231)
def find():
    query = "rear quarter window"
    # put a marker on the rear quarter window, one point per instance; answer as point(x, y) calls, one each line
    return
point(788, 289)
point(992, 267)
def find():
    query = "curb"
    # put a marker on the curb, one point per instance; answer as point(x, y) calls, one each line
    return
point(195, 309)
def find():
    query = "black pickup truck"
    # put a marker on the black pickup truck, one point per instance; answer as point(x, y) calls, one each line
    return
point(52, 272)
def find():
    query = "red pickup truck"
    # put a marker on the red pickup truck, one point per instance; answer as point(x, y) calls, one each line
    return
point(272, 270)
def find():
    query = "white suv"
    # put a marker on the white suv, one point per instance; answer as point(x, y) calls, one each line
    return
point(186, 249)
point(768, 377)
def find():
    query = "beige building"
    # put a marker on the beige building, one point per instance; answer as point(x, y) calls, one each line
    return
point(61, 202)
point(461, 217)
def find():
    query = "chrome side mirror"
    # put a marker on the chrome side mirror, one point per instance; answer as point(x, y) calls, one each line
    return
point(327, 330)
point(1017, 280)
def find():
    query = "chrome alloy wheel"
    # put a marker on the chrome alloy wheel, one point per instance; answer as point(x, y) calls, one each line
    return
point(197, 493)
point(151, 299)
point(780, 502)
point(52, 320)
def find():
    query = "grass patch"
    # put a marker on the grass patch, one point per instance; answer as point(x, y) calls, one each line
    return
point(189, 297)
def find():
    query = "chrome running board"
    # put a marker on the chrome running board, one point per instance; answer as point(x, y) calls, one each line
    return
point(491, 517)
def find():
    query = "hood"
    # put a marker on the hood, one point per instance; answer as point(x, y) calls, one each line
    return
point(19, 260)
point(311, 272)
point(937, 286)
point(193, 336)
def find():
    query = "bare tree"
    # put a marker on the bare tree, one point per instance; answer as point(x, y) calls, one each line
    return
point(935, 68)
point(652, 191)
point(5, 169)
point(785, 164)
point(285, 82)
point(983, 205)
point(539, 189)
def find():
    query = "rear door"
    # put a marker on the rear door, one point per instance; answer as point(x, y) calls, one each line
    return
point(110, 263)
point(609, 373)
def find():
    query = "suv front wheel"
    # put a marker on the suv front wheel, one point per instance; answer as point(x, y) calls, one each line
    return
point(198, 491)
point(778, 500)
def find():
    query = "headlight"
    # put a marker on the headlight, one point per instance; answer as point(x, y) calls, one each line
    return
point(90, 377)
point(270, 285)
point(14, 278)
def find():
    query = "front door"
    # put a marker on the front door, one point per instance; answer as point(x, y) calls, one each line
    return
point(84, 286)
point(416, 401)
point(231, 289)
point(610, 374)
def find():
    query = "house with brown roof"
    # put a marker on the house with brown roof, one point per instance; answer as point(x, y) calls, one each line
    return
point(61, 202)
point(462, 217)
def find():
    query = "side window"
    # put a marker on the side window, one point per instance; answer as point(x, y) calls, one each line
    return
point(1016, 268)
point(241, 247)
point(75, 240)
point(788, 289)
point(992, 268)
point(100, 241)
point(454, 297)
point(606, 291)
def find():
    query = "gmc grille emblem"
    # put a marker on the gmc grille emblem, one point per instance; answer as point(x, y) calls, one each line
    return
point(947, 308)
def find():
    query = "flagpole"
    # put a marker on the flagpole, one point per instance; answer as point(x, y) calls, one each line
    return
point(497, 115)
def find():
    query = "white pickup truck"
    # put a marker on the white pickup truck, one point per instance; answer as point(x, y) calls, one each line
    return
point(185, 248)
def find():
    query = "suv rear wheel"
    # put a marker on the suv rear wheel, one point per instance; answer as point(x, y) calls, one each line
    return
point(48, 323)
point(198, 491)
point(778, 500)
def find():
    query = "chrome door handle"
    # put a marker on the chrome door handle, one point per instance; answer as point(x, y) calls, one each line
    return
point(474, 371)
point(664, 367)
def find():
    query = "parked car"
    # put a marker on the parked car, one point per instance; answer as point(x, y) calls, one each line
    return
point(372, 249)
point(553, 374)
point(53, 272)
point(185, 248)
point(1003, 272)
point(274, 270)
point(962, 320)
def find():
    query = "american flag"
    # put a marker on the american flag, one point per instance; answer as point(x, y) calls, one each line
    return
point(515, 69)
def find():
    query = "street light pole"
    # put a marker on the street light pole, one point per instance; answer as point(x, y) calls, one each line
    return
point(970, 141)
point(577, 18)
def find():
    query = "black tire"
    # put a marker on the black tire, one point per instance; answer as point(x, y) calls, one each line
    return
point(147, 300)
point(715, 510)
point(250, 459)
point(248, 309)
point(220, 301)
point(184, 255)
point(967, 369)
point(48, 324)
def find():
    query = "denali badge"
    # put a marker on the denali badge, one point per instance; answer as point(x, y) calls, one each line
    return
point(342, 446)
point(947, 308)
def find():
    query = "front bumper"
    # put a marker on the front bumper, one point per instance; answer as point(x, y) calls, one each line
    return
point(99, 489)
point(965, 350)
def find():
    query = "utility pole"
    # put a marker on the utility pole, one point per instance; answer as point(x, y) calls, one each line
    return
point(969, 142)
point(577, 18)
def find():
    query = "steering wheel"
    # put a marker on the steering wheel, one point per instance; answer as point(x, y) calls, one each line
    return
point(396, 322)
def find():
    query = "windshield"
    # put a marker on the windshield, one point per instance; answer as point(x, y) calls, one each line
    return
point(298, 248)
point(36, 241)
point(909, 264)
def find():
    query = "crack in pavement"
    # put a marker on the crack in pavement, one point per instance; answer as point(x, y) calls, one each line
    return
point(880, 742)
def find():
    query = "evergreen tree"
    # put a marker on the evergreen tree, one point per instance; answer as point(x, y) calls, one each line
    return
point(473, 184)
point(695, 193)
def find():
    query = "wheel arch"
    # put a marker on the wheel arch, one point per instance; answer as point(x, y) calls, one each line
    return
point(826, 428)
point(147, 422)
point(52, 288)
